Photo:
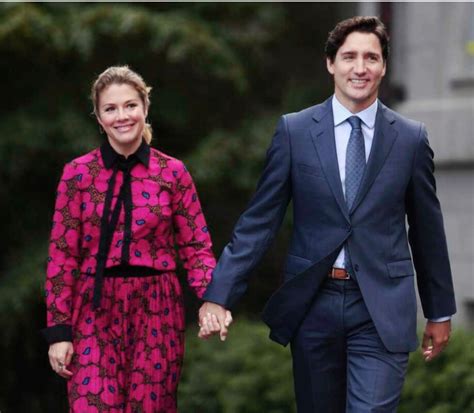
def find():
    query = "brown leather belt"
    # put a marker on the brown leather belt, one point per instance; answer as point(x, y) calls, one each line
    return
point(339, 274)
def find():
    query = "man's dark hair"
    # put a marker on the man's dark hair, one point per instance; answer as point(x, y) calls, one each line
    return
point(363, 24)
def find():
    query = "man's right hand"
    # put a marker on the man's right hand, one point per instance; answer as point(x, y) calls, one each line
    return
point(213, 319)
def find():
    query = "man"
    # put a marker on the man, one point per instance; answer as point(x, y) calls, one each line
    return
point(355, 170)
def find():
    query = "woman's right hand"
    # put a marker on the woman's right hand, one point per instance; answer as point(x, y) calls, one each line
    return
point(60, 355)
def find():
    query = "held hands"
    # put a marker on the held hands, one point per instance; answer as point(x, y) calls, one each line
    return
point(60, 355)
point(213, 319)
point(435, 338)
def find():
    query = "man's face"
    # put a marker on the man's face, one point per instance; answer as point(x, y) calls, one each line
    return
point(358, 69)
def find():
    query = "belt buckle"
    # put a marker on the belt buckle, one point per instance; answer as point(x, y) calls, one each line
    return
point(333, 274)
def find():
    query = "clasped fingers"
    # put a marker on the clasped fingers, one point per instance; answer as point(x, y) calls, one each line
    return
point(209, 326)
point(213, 319)
point(212, 324)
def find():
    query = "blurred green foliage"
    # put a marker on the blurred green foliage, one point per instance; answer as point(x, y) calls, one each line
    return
point(245, 374)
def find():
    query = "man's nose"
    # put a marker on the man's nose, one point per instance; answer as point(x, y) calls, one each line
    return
point(359, 66)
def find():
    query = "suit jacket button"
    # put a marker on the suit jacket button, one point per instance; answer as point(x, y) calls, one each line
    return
point(356, 267)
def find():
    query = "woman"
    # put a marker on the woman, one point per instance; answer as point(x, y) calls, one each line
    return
point(115, 319)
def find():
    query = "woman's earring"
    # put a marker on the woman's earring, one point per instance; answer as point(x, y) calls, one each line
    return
point(101, 131)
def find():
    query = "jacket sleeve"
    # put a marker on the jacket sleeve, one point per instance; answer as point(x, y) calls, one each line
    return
point(426, 236)
point(63, 258)
point(191, 233)
point(257, 226)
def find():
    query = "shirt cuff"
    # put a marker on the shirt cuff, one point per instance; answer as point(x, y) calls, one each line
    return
point(440, 319)
point(57, 333)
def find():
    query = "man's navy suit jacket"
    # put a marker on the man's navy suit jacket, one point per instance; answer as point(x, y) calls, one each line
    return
point(398, 186)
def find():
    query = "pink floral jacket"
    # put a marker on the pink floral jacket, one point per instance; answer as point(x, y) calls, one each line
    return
point(163, 211)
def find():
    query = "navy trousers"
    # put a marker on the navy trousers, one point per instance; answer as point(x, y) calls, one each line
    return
point(340, 365)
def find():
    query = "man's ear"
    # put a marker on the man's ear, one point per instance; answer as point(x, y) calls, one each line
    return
point(330, 66)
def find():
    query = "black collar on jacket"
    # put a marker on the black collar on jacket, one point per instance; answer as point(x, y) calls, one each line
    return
point(110, 156)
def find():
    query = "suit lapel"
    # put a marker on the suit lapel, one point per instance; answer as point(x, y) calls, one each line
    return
point(384, 138)
point(322, 135)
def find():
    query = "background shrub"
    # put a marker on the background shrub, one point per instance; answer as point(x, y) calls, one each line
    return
point(247, 373)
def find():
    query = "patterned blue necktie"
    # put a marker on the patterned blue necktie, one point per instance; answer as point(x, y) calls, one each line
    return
point(355, 160)
point(355, 167)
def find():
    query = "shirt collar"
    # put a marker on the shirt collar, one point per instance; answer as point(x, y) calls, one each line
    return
point(110, 156)
point(341, 113)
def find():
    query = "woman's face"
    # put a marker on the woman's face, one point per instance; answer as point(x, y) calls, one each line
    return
point(122, 114)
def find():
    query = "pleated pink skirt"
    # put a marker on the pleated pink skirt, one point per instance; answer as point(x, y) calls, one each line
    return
point(129, 353)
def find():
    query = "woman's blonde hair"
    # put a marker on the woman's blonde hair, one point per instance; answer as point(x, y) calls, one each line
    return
point(120, 75)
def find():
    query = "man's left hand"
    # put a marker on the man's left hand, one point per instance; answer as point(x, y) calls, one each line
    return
point(435, 338)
